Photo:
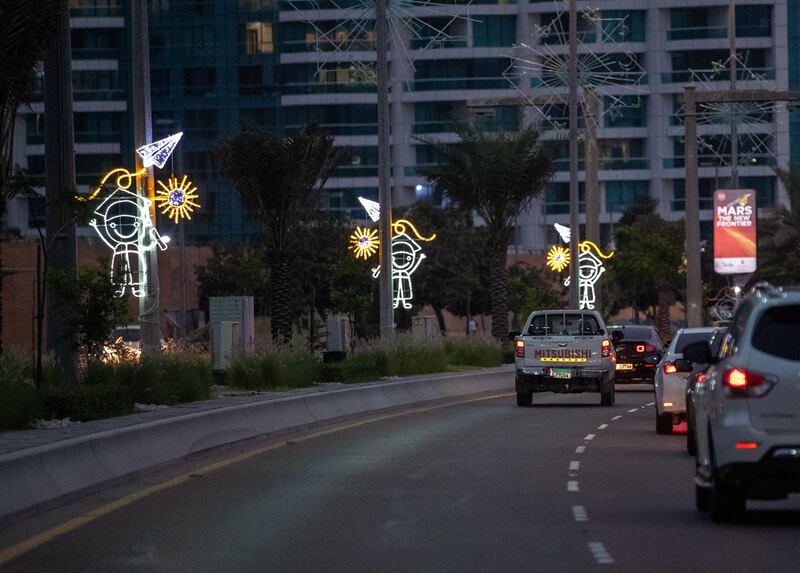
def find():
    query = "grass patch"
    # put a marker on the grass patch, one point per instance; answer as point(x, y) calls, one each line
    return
point(278, 369)
point(473, 351)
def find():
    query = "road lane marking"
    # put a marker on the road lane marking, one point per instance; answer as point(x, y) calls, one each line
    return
point(580, 449)
point(572, 485)
point(579, 513)
point(651, 404)
point(600, 553)
point(574, 466)
point(602, 426)
point(631, 411)
point(28, 545)
point(617, 417)
point(589, 437)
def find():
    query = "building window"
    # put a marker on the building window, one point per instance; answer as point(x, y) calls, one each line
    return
point(753, 21)
point(200, 122)
point(198, 81)
point(258, 38)
point(556, 197)
point(251, 81)
point(622, 195)
point(499, 31)
point(623, 25)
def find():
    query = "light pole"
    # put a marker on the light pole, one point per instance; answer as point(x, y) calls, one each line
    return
point(574, 194)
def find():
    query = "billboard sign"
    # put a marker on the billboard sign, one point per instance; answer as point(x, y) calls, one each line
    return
point(735, 217)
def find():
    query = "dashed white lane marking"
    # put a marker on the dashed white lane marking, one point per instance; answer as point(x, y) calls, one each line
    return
point(589, 437)
point(572, 485)
point(574, 466)
point(580, 449)
point(616, 417)
point(632, 410)
point(600, 553)
point(650, 404)
point(579, 513)
point(602, 426)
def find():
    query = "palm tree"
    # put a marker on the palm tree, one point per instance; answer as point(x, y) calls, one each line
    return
point(496, 175)
point(27, 28)
point(279, 180)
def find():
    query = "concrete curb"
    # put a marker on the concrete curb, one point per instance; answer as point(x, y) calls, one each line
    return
point(40, 474)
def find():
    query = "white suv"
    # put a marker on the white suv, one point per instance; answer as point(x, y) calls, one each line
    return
point(748, 406)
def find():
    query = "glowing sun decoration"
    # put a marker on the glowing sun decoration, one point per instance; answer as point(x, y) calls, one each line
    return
point(364, 242)
point(558, 258)
point(177, 200)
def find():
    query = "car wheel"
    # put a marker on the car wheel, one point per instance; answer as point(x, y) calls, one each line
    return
point(663, 423)
point(728, 502)
point(691, 439)
point(702, 498)
point(525, 399)
point(607, 398)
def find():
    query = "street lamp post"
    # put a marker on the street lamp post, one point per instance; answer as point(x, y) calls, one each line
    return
point(574, 194)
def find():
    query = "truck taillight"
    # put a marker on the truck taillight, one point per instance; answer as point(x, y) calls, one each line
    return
point(520, 348)
point(606, 348)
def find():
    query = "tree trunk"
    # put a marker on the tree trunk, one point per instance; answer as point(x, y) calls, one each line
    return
point(280, 293)
point(664, 324)
point(440, 318)
point(498, 280)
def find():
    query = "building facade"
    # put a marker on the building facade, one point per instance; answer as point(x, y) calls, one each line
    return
point(221, 65)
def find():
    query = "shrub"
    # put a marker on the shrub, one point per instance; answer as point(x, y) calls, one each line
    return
point(280, 368)
point(408, 357)
point(18, 403)
point(82, 402)
point(473, 351)
point(365, 366)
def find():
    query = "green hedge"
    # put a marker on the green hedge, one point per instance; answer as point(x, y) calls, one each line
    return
point(18, 403)
point(272, 370)
point(473, 351)
point(81, 402)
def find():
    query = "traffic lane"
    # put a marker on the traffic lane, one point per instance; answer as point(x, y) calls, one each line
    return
point(471, 487)
point(642, 505)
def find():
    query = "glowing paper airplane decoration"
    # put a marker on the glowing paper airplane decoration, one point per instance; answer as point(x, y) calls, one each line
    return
point(563, 232)
point(158, 152)
point(372, 208)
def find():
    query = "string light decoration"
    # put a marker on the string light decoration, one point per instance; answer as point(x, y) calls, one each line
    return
point(406, 257)
point(558, 258)
point(158, 152)
point(122, 221)
point(754, 119)
point(364, 242)
point(539, 69)
point(176, 199)
point(343, 38)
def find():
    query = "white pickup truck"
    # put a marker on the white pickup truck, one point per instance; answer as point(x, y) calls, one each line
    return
point(566, 351)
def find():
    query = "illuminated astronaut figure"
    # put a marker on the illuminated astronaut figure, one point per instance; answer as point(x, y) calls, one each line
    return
point(406, 257)
point(123, 223)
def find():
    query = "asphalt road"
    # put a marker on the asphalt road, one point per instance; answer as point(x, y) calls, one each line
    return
point(478, 486)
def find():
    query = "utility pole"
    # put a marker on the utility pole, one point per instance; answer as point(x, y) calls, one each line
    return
point(694, 306)
point(384, 171)
point(732, 71)
point(60, 250)
point(149, 307)
point(591, 115)
point(574, 194)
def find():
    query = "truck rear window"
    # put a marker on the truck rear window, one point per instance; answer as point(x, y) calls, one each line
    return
point(563, 324)
point(778, 332)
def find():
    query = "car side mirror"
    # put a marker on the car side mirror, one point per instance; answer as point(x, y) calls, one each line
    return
point(652, 359)
point(513, 334)
point(698, 353)
point(617, 335)
point(683, 365)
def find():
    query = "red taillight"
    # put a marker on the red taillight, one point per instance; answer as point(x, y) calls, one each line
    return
point(700, 379)
point(737, 379)
point(670, 368)
point(746, 445)
point(640, 348)
point(520, 349)
point(649, 348)
point(605, 348)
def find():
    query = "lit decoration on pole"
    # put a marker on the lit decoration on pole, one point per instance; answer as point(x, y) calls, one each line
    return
point(373, 208)
point(406, 257)
point(176, 199)
point(558, 258)
point(158, 152)
point(590, 266)
point(364, 242)
point(123, 223)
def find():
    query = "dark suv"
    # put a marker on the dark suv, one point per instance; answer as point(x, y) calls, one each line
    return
point(639, 350)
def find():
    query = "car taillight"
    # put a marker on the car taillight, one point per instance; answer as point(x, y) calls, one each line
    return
point(605, 347)
point(520, 349)
point(701, 377)
point(670, 368)
point(745, 382)
point(640, 348)
point(649, 348)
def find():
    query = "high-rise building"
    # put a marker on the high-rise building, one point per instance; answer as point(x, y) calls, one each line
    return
point(220, 65)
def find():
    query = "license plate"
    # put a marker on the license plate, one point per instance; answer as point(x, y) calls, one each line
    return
point(624, 366)
point(565, 373)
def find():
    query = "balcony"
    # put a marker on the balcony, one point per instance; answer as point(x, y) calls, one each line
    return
point(434, 84)
point(702, 33)
point(328, 88)
point(623, 163)
point(745, 160)
point(683, 76)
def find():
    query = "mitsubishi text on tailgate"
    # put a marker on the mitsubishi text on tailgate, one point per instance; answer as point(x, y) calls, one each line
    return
point(564, 351)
